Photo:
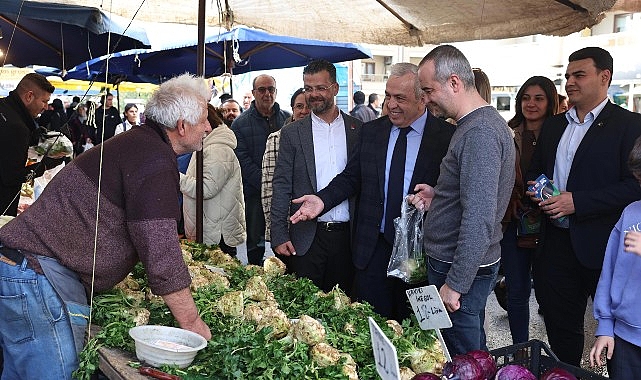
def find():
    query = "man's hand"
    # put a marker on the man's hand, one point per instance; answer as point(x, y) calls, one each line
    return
point(423, 197)
point(559, 205)
point(182, 306)
point(285, 249)
point(451, 298)
point(601, 342)
point(632, 242)
point(199, 327)
point(311, 206)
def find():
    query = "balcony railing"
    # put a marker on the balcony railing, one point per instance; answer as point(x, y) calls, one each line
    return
point(374, 77)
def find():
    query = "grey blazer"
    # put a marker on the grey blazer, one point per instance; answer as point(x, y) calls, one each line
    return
point(295, 176)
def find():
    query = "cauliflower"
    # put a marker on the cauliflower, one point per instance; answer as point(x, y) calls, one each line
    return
point(341, 300)
point(349, 366)
point(325, 355)
point(257, 290)
point(428, 360)
point(309, 330)
point(253, 313)
point(277, 320)
point(256, 269)
point(273, 266)
point(406, 373)
point(349, 328)
point(128, 283)
point(396, 327)
point(231, 304)
point(141, 315)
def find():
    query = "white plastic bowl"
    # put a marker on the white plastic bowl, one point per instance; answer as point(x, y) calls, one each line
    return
point(160, 345)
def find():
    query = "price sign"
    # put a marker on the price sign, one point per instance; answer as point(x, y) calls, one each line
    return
point(428, 307)
point(384, 353)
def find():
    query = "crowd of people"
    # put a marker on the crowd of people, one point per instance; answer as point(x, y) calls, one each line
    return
point(324, 188)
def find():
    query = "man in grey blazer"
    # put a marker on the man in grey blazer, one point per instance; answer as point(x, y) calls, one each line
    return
point(312, 152)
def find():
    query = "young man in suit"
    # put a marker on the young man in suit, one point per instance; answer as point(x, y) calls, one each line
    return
point(371, 174)
point(313, 150)
point(585, 150)
point(463, 226)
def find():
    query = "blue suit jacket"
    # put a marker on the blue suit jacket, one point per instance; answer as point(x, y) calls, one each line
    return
point(364, 176)
point(599, 179)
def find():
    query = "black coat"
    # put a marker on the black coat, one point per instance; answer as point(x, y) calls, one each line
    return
point(599, 179)
point(364, 176)
point(18, 131)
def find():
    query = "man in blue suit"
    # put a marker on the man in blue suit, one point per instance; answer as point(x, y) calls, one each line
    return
point(585, 150)
point(370, 175)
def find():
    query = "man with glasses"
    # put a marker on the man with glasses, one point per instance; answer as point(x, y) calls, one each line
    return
point(251, 128)
point(313, 150)
point(397, 155)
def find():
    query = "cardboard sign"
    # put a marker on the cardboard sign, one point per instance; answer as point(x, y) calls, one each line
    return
point(384, 353)
point(429, 308)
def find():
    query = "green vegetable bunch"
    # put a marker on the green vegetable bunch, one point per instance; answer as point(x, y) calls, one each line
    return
point(264, 325)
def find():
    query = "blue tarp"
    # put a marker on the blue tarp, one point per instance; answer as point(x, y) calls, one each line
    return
point(254, 49)
point(60, 35)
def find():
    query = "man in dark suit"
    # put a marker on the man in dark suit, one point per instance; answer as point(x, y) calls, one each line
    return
point(585, 150)
point(313, 150)
point(367, 175)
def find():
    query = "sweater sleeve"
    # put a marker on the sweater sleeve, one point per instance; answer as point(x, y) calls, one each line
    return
point(602, 299)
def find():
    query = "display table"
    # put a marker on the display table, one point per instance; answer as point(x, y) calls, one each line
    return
point(113, 363)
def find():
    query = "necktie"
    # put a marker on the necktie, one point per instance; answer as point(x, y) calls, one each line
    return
point(395, 181)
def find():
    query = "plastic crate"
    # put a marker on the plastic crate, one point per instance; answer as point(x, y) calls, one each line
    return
point(537, 356)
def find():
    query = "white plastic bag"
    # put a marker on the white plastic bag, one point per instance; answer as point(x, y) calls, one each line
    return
point(39, 183)
point(55, 145)
point(408, 261)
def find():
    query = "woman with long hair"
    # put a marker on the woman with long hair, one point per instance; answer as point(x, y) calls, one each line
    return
point(536, 100)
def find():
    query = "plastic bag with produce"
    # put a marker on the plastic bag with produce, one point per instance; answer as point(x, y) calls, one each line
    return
point(54, 145)
point(408, 261)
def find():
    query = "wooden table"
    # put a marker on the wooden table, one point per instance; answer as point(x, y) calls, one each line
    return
point(114, 364)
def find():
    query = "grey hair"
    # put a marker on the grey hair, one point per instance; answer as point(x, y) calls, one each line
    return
point(184, 97)
point(403, 68)
point(449, 60)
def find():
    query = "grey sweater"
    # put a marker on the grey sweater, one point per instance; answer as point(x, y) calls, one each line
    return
point(463, 225)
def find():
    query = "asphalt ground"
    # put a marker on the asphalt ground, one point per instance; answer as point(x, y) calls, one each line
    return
point(498, 329)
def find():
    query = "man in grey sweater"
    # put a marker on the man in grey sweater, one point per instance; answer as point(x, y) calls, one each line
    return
point(463, 225)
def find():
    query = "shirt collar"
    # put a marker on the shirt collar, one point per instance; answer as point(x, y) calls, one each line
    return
point(418, 125)
point(317, 119)
point(573, 118)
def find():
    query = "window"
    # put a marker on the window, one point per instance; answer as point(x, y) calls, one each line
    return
point(622, 22)
point(503, 103)
point(369, 68)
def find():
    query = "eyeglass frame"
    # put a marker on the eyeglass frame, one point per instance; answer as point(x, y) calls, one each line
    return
point(310, 89)
point(264, 90)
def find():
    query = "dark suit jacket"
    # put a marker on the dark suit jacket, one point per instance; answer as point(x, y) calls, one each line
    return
point(295, 176)
point(599, 179)
point(365, 176)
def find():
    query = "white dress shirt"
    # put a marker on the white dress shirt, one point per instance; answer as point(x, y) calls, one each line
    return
point(330, 157)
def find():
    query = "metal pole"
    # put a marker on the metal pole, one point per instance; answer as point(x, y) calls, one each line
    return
point(200, 71)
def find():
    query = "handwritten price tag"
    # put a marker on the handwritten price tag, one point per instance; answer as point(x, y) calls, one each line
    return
point(384, 353)
point(428, 307)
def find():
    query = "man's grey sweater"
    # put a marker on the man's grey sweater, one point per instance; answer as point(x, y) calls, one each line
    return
point(463, 225)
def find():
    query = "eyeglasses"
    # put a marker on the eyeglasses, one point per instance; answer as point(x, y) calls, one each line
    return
point(318, 88)
point(263, 90)
point(300, 106)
